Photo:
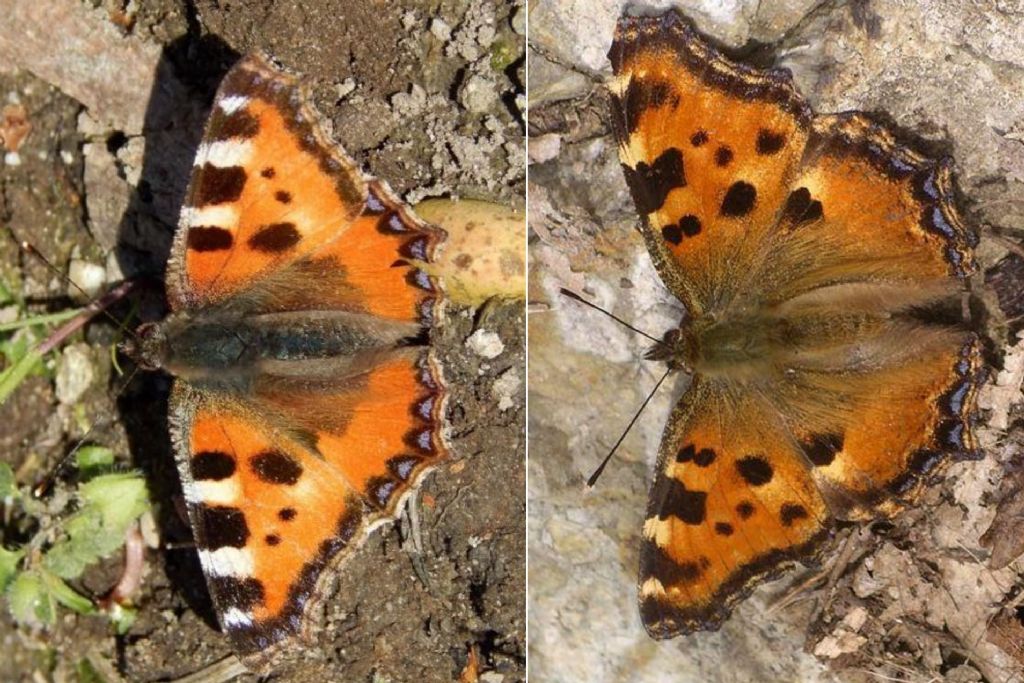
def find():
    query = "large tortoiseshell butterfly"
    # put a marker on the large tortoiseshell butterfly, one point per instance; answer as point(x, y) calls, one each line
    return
point(307, 402)
point(812, 254)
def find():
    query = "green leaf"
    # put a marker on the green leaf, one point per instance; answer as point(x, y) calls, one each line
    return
point(64, 594)
point(119, 497)
point(9, 560)
point(28, 600)
point(7, 485)
point(94, 457)
point(110, 503)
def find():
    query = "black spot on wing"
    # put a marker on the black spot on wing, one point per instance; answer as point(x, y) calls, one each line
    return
point(208, 238)
point(686, 453)
point(739, 200)
point(745, 509)
point(268, 172)
point(286, 514)
point(769, 142)
point(690, 225)
point(241, 593)
point(699, 138)
point(272, 539)
point(672, 234)
point(704, 457)
point(275, 467)
point(212, 465)
point(216, 185)
point(821, 449)
point(650, 185)
point(723, 529)
point(240, 124)
point(275, 238)
point(672, 499)
point(283, 197)
point(723, 156)
point(656, 563)
point(222, 527)
point(790, 512)
point(755, 470)
point(800, 208)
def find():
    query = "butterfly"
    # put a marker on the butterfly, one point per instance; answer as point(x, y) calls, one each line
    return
point(816, 257)
point(307, 403)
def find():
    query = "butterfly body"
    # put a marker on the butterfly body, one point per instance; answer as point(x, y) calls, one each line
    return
point(230, 346)
point(817, 259)
point(308, 403)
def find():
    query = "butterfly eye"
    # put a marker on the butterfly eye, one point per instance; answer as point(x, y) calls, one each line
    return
point(146, 330)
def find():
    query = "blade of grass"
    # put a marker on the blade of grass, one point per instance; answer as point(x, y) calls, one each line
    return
point(48, 319)
point(17, 372)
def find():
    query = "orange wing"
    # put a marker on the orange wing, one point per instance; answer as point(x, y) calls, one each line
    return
point(709, 149)
point(725, 162)
point(804, 249)
point(282, 485)
point(307, 404)
point(270, 191)
point(730, 505)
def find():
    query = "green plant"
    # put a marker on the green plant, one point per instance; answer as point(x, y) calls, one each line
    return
point(88, 526)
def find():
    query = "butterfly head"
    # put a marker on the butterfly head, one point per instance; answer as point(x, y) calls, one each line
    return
point(675, 349)
point(148, 348)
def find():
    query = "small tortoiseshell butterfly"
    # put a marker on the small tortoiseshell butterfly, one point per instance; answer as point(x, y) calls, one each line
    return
point(307, 402)
point(812, 254)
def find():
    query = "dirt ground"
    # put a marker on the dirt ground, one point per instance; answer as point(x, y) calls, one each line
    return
point(924, 597)
point(427, 95)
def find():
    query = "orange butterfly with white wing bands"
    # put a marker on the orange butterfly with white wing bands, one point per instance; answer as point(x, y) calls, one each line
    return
point(307, 403)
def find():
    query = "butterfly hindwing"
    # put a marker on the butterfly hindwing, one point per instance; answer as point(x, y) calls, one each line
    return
point(378, 423)
point(731, 504)
point(268, 517)
point(281, 485)
point(904, 425)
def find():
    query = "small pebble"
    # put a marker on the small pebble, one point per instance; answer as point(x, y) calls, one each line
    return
point(485, 344)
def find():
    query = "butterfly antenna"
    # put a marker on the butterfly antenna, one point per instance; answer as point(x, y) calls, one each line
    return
point(95, 306)
point(44, 486)
point(600, 468)
point(577, 297)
